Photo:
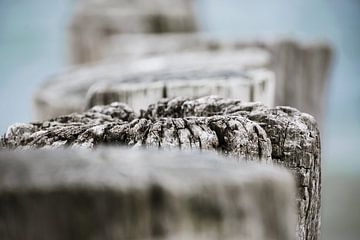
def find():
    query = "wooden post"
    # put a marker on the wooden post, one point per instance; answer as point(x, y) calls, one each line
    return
point(66, 92)
point(301, 68)
point(123, 194)
point(282, 135)
point(95, 22)
point(140, 89)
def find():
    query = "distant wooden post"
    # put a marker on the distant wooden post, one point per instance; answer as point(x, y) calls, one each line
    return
point(139, 90)
point(95, 22)
point(66, 92)
point(301, 68)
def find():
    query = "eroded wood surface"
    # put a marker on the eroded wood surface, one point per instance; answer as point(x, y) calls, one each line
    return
point(247, 130)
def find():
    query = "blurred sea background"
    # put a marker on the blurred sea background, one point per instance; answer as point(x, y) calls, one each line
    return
point(33, 46)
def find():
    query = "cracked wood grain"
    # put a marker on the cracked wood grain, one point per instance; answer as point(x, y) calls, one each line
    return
point(295, 142)
point(282, 135)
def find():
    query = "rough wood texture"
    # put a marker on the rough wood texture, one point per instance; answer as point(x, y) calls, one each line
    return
point(138, 90)
point(66, 93)
point(94, 22)
point(301, 68)
point(123, 194)
point(294, 137)
point(248, 130)
point(232, 135)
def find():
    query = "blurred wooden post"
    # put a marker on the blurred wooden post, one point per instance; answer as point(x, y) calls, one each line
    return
point(66, 93)
point(139, 90)
point(123, 194)
point(302, 71)
point(95, 22)
point(301, 68)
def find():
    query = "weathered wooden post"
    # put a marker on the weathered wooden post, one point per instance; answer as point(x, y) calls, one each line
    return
point(302, 71)
point(122, 194)
point(301, 67)
point(66, 92)
point(139, 89)
point(95, 22)
point(295, 142)
point(282, 135)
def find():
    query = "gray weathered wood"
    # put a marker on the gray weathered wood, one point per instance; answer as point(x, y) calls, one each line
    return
point(123, 194)
point(247, 130)
point(94, 22)
point(138, 90)
point(301, 68)
point(294, 137)
point(66, 92)
point(302, 71)
point(138, 45)
point(115, 124)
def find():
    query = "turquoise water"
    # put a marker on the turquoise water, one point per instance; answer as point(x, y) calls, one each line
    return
point(33, 46)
